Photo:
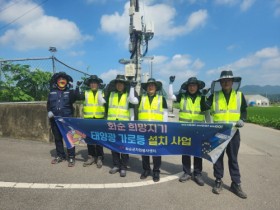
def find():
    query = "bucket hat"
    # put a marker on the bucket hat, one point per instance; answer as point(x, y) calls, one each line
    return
point(121, 78)
point(193, 80)
point(152, 80)
point(227, 74)
point(63, 75)
point(93, 78)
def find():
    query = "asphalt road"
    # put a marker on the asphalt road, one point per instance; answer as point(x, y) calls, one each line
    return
point(29, 181)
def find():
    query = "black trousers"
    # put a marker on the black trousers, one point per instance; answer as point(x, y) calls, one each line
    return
point(197, 165)
point(120, 160)
point(232, 152)
point(146, 163)
point(59, 142)
point(95, 150)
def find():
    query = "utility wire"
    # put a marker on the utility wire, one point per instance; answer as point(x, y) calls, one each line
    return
point(11, 5)
point(5, 26)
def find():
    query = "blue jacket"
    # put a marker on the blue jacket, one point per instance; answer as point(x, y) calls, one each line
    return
point(60, 102)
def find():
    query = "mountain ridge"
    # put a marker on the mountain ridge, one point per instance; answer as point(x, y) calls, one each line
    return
point(262, 90)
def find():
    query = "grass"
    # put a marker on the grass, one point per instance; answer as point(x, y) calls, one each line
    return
point(266, 116)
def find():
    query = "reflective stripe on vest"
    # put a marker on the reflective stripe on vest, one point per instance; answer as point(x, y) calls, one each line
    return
point(189, 111)
point(118, 110)
point(150, 112)
point(91, 108)
point(223, 112)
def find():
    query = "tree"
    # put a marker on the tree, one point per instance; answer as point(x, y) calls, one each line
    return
point(20, 83)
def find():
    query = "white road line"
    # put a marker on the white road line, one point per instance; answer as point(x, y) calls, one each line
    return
point(23, 185)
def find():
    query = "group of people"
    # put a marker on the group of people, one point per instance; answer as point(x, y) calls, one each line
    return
point(226, 105)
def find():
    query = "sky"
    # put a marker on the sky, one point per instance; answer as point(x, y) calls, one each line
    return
point(192, 38)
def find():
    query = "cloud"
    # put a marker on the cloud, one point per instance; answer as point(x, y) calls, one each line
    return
point(277, 8)
point(243, 4)
point(269, 52)
point(226, 2)
point(197, 64)
point(196, 20)
point(253, 68)
point(76, 53)
point(110, 75)
point(96, 1)
point(246, 4)
point(26, 10)
point(164, 24)
point(100, 1)
point(117, 23)
point(232, 47)
point(180, 65)
point(277, 12)
point(37, 30)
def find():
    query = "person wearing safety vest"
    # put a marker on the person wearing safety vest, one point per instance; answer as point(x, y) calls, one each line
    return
point(93, 108)
point(120, 106)
point(60, 103)
point(152, 107)
point(190, 111)
point(228, 106)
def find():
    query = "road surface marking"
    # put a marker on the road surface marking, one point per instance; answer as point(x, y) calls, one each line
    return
point(24, 185)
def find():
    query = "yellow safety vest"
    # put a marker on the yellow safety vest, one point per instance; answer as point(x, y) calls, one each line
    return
point(91, 108)
point(150, 112)
point(223, 112)
point(189, 111)
point(118, 110)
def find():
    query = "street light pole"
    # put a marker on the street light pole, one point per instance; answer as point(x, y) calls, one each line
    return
point(53, 50)
point(151, 58)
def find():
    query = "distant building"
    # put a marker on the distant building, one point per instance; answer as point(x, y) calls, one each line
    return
point(256, 100)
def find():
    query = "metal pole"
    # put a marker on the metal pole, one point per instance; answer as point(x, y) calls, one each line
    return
point(53, 50)
point(138, 68)
point(151, 70)
point(53, 64)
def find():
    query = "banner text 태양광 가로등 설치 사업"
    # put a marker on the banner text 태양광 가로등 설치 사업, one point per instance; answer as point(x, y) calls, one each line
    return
point(149, 138)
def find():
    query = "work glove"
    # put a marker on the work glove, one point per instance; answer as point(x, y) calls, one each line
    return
point(79, 83)
point(205, 91)
point(171, 79)
point(239, 124)
point(50, 114)
point(102, 86)
point(133, 84)
point(70, 84)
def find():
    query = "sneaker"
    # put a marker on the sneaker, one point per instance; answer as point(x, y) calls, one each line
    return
point(237, 190)
point(156, 176)
point(99, 163)
point(218, 186)
point(57, 160)
point(114, 170)
point(145, 174)
point(185, 177)
point(71, 162)
point(122, 173)
point(91, 160)
point(198, 179)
